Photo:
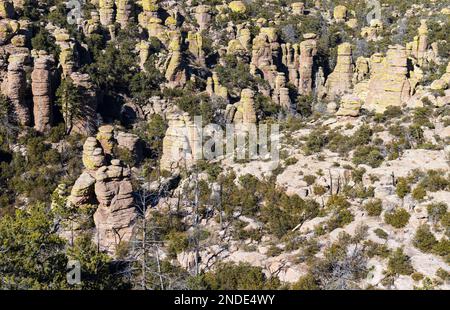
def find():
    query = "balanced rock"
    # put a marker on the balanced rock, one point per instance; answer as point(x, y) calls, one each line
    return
point(203, 16)
point(93, 157)
point(350, 106)
point(105, 136)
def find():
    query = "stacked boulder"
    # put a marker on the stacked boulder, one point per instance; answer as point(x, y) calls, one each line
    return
point(203, 16)
point(281, 93)
point(214, 88)
point(106, 9)
point(124, 12)
point(308, 50)
point(181, 144)
point(245, 108)
point(340, 81)
point(67, 56)
point(195, 41)
point(389, 84)
point(42, 92)
point(175, 71)
point(14, 87)
point(350, 106)
point(109, 187)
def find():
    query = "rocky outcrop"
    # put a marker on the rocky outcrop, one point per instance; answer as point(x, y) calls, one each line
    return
point(132, 143)
point(214, 88)
point(14, 88)
point(340, 81)
point(116, 213)
point(105, 136)
point(203, 16)
point(422, 42)
point(373, 32)
point(245, 108)
point(83, 190)
point(84, 121)
point(281, 93)
point(109, 187)
point(92, 25)
point(308, 49)
point(93, 156)
point(340, 13)
point(362, 70)
point(6, 9)
point(237, 7)
point(42, 92)
point(8, 29)
point(123, 12)
point(298, 8)
point(175, 72)
point(350, 106)
point(195, 41)
point(106, 10)
point(67, 55)
point(388, 84)
point(181, 142)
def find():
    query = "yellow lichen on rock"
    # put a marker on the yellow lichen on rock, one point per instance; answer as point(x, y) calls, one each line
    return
point(237, 7)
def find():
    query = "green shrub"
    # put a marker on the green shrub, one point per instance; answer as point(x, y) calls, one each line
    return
point(306, 283)
point(368, 155)
point(177, 243)
point(274, 251)
point(444, 275)
point(419, 193)
point(398, 218)
point(381, 233)
point(309, 179)
point(417, 276)
point(436, 211)
point(374, 207)
point(424, 239)
point(442, 248)
point(403, 188)
point(435, 181)
point(375, 249)
point(230, 276)
point(319, 190)
point(399, 263)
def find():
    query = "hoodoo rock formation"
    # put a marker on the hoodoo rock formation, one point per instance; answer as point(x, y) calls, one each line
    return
point(42, 92)
point(389, 85)
point(110, 187)
point(14, 88)
point(340, 81)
